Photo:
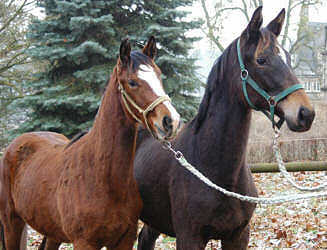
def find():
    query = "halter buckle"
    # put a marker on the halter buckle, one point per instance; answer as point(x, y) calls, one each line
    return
point(272, 101)
point(244, 74)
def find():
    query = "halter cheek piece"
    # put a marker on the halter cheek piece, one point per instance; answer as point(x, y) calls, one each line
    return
point(128, 100)
point(271, 100)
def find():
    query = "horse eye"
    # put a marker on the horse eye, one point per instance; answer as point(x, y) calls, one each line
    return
point(132, 83)
point(261, 61)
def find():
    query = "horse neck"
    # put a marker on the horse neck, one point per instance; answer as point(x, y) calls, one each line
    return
point(113, 137)
point(223, 136)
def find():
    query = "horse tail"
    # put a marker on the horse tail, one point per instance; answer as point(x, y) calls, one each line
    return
point(44, 242)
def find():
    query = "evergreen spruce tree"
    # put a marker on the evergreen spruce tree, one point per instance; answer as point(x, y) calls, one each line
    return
point(78, 42)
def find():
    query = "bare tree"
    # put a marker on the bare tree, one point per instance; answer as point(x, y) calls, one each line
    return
point(213, 23)
point(14, 18)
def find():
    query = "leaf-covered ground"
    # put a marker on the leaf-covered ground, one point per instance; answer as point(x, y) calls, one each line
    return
point(300, 225)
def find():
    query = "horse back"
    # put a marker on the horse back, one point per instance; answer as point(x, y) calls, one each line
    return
point(28, 151)
point(28, 146)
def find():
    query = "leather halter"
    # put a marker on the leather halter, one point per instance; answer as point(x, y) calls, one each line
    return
point(271, 100)
point(128, 100)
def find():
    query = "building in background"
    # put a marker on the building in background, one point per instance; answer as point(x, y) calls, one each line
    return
point(310, 56)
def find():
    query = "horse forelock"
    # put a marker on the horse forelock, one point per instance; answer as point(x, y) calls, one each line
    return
point(138, 58)
point(267, 41)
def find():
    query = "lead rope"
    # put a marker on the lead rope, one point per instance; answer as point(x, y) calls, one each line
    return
point(257, 200)
point(283, 169)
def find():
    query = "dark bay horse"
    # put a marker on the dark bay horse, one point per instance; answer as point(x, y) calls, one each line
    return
point(177, 203)
point(84, 192)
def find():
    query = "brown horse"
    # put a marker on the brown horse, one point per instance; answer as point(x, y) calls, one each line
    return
point(84, 192)
point(177, 203)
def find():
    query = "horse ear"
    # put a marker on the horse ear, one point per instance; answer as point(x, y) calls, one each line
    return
point(275, 26)
point(252, 31)
point(125, 52)
point(150, 48)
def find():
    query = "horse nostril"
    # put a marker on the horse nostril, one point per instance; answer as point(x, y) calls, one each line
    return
point(306, 116)
point(167, 123)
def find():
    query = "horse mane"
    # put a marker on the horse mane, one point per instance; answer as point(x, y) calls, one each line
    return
point(215, 80)
point(76, 138)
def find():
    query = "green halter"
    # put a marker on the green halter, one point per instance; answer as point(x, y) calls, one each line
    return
point(272, 100)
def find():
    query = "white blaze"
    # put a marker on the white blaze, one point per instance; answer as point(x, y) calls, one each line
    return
point(148, 74)
point(174, 115)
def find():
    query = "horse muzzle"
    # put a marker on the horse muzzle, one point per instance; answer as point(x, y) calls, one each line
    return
point(298, 112)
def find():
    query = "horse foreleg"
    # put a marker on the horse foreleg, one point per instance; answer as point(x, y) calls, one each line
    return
point(43, 243)
point(13, 227)
point(188, 243)
point(147, 238)
point(239, 240)
point(49, 244)
point(189, 240)
point(127, 240)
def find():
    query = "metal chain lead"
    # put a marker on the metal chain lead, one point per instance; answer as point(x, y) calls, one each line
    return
point(283, 169)
point(258, 200)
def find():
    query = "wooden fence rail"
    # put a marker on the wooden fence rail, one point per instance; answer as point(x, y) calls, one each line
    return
point(290, 166)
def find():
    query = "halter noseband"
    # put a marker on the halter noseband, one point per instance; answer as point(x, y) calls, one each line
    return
point(127, 99)
point(271, 100)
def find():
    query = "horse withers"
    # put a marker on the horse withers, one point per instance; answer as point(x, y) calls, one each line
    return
point(177, 203)
point(85, 192)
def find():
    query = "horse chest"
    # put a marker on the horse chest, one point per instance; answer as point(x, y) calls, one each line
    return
point(96, 212)
point(209, 212)
point(99, 220)
point(225, 215)
point(231, 214)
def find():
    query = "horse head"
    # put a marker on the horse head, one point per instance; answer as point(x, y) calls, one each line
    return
point(269, 65)
point(143, 96)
